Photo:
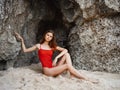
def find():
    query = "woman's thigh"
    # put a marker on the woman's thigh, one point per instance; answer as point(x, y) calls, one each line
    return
point(62, 61)
point(65, 59)
point(55, 70)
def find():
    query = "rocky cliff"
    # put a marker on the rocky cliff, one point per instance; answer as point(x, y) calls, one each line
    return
point(89, 29)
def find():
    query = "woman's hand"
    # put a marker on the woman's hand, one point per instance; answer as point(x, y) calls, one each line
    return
point(18, 36)
point(55, 62)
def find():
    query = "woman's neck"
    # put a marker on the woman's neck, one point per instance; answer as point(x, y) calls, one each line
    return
point(46, 46)
point(46, 43)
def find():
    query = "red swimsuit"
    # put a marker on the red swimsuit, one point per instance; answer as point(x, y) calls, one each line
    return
point(45, 57)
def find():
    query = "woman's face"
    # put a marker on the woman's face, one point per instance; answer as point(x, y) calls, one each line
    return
point(48, 36)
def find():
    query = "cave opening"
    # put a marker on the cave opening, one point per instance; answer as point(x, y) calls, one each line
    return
point(54, 21)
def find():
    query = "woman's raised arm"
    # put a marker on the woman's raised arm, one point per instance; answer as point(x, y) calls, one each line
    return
point(23, 45)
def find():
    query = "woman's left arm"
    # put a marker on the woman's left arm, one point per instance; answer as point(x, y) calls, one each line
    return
point(63, 51)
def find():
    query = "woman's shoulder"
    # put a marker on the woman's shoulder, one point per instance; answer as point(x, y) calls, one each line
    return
point(60, 48)
point(38, 45)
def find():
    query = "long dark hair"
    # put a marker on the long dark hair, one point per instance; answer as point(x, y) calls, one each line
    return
point(52, 43)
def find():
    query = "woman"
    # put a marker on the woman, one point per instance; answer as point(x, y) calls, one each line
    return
point(45, 51)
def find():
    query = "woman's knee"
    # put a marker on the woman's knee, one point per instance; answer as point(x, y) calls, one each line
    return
point(68, 66)
point(67, 54)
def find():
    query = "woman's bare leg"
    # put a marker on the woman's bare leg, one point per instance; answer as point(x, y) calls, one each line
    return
point(55, 70)
point(63, 61)
point(75, 73)
point(68, 61)
point(66, 58)
point(59, 69)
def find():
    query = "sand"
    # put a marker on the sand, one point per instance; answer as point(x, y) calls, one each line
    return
point(31, 78)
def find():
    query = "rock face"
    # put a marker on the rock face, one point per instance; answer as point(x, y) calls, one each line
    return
point(89, 29)
point(95, 43)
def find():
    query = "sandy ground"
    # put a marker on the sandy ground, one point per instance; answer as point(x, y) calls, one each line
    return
point(31, 78)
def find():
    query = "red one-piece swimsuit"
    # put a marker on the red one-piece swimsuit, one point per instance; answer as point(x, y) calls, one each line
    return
point(45, 56)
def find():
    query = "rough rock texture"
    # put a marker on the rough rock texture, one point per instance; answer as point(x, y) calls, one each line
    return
point(95, 43)
point(17, 16)
point(90, 29)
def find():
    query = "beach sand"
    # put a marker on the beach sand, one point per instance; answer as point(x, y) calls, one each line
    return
point(31, 78)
